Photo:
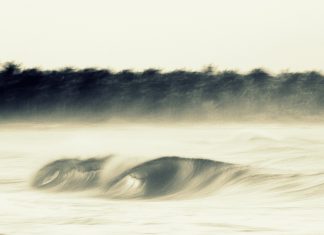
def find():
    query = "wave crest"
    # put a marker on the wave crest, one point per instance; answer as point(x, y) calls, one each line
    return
point(69, 174)
point(162, 177)
point(166, 177)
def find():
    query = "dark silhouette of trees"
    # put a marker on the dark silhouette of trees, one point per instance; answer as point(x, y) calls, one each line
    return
point(10, 69)
point(96, 92)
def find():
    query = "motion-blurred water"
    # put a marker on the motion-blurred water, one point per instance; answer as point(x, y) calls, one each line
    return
point(262, 178)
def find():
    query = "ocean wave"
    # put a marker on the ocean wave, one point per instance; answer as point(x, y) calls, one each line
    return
point(165, 177)
point(155, 178)
point(69, 174)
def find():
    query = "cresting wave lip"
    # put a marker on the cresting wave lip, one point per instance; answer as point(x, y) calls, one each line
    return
point(168, 176)
point(69, 174)
point(165, 176)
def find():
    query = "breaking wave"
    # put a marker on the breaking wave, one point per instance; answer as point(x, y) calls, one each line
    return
point(69, 174)
point(165, 177)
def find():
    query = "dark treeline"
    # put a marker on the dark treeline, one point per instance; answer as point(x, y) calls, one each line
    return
point(95, 92)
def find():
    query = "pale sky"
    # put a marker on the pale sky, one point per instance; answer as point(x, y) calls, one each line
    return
point(168, 34)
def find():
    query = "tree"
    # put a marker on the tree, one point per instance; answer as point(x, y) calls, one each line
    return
point(10, 69)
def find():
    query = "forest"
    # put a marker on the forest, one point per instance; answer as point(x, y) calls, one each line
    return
point(179, 94)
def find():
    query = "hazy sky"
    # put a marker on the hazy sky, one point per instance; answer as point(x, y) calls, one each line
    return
point(167, 34)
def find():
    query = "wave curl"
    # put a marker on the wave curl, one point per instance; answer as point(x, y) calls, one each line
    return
point(165, 177)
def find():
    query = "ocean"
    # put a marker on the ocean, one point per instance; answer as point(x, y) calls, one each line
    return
point(161, 178)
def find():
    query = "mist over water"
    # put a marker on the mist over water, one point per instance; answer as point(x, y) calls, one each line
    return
point(181, 152)
point(161, 178)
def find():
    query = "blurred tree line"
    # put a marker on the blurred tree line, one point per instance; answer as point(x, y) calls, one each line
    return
point(95, 91)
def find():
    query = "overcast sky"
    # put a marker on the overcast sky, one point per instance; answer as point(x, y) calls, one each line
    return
point(168, 34)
